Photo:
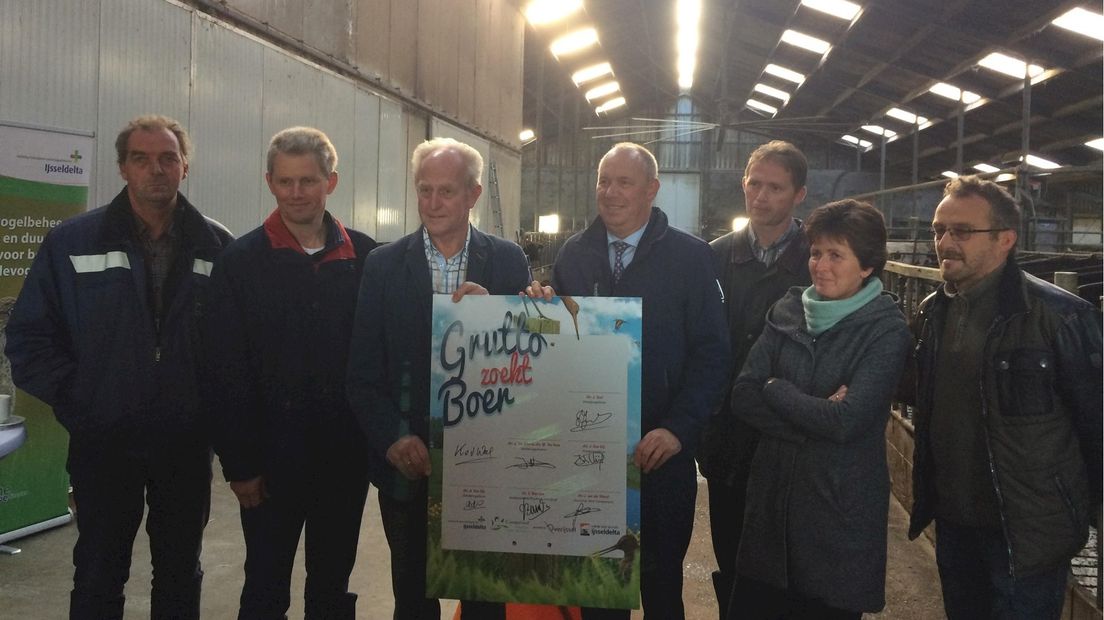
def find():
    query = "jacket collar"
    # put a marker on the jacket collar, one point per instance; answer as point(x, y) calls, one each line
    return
point(595, 236)
point(479, 253)
point(338, 244)
point(118, 225)
point(794, 259)
point(1011, 291)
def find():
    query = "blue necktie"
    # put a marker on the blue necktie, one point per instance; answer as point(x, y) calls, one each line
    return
point(619, 248)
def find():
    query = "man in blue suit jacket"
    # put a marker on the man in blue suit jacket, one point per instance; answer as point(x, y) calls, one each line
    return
point(389, 359)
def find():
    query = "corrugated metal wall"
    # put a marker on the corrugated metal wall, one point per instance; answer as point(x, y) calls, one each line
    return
point(94, 64)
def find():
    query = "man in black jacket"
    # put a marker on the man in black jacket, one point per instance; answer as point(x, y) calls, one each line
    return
point(630, 251)
point(757, 265)
point(1008, 416)
point(276, 337)
point(389, 357)
point(103, 332)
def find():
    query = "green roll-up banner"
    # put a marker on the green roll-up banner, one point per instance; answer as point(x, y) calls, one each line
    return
point(44, 176)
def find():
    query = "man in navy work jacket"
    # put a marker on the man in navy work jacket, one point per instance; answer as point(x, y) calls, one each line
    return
point(104, 333)
point(389, 357)
point(276, 338)
point(630, 251)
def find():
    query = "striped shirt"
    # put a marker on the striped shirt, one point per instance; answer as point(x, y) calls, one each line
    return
point(446, 273)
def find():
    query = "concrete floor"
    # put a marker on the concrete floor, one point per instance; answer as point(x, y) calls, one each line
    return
point(35, 584)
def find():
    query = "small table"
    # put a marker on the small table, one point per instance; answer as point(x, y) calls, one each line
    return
point(11, 438)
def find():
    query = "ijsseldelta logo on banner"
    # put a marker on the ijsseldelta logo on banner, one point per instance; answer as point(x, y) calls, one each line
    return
point(43, 157)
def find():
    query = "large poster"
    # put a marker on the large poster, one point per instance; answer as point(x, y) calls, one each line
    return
point(44, 177)
point(534, 415)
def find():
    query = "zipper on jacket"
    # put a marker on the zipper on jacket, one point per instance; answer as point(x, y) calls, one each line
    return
point(989, 451)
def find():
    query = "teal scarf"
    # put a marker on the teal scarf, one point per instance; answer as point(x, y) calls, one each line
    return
point(821, 315)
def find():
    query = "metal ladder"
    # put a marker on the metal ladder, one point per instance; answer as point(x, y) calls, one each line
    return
point(496, 201)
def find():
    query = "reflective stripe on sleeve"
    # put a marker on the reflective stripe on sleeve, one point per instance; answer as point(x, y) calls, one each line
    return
point(91, 263)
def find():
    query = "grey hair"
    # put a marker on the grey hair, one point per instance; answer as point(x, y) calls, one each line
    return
point(473, 161)
point(651, 168)
point(303, 141)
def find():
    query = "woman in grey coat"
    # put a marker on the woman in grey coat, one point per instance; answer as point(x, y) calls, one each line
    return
point(818, 384)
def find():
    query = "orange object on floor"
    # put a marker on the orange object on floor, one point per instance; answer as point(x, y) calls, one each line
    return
point(518, 611)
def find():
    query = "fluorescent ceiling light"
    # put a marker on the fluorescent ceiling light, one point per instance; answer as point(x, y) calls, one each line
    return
point(806, 42)
point(739, 223)
point(1097, 144)
point(540, 12)
point(1039, 162)
point(548, 223)
point(602, 90)
point(950, 174)
point(1003, 63)
point(574, 41)
point(856, 141)
point(759, 105)
point(985, 168)
point(687, 16)
point(770, 91)
point(609, 105)
point(1082, 21)
point(944, 89)
point(836, 8)
point(592, 72)
point(1007, 176)
point(786, 74)
point(906, 116)
point(878, 130)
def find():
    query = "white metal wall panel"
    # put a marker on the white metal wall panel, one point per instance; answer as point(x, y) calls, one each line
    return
point(145, 68)
point(417, 128)
point(334, 105)
point(290, 89)
point(226, 128)
point(49, 64)
point(508, 166)
point(391, 191)
point(679, 198)
point(367, 158)
point(481, 214)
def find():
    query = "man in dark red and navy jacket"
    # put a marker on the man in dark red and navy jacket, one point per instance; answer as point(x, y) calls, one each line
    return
point(276, 336)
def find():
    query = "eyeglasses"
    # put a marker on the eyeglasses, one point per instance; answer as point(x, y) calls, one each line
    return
point(961, 234)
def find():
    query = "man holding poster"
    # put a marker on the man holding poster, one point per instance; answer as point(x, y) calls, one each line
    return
point(389, 362)
point(630, 251)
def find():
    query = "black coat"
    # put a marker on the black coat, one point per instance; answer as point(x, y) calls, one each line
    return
point(388, 378)
point(685, 336)
point(750, 289)
point(1042, 412)
point(276, 339)
point(82, 336)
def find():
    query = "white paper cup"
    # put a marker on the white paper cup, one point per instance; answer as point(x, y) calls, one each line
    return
point(5, 407)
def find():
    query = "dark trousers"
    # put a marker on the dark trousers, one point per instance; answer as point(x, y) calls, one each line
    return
point(726, 522)
point(973, 569)
point(111, 489)
point(754, 600)
point(327, 503)
point(667, 520)
point(404, 524)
